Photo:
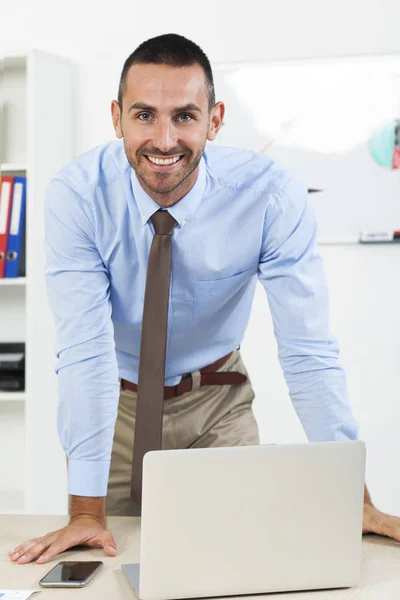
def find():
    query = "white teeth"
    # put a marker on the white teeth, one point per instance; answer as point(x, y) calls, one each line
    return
point(164, 161)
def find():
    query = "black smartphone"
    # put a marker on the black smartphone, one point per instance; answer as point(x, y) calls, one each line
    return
point(71, 573)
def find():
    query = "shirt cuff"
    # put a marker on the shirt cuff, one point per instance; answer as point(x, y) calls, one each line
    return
point(88, 477)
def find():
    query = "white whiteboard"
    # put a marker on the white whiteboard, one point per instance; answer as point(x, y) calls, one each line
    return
point(334, 122)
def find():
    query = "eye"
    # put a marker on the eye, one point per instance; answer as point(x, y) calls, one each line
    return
point(186, 115)
point(143, 115)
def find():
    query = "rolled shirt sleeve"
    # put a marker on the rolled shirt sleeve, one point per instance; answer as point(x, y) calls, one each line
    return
point(292, 274)
point(78, 290)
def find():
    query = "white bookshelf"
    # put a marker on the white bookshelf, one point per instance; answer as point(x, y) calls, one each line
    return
point(13, 168)
point(13, 281)
point(12, 396)
point(36, 102)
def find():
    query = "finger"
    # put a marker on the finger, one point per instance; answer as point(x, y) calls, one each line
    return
point(110, 551)
point(24, 545)
point(34, 551)
point(51, 552)
point(59, 543)
point(109, 545)
point(23, 549)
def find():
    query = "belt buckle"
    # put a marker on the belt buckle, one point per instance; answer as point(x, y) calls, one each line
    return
point(186, 376)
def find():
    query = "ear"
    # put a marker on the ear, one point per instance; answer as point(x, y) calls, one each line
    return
point(216, 120)
point(116, 118)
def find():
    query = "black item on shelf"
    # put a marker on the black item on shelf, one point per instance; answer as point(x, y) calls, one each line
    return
point(12, 366)
point(12, 356)
point(12, 381)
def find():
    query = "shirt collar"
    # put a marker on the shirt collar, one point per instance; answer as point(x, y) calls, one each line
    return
point(182, 210)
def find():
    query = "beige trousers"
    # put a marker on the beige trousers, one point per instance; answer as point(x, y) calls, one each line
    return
point(216, 415)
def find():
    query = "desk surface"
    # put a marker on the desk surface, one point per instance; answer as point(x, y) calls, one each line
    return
point(380, 572)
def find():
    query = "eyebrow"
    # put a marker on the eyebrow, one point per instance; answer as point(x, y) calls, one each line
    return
point(187, 107)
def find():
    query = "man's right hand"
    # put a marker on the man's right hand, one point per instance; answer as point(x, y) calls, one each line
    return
point(82, 530)
point(86, 527)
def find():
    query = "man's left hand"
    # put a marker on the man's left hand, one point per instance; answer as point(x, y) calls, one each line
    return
point(375, 521)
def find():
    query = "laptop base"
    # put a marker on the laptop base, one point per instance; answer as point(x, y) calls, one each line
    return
point(132, 572)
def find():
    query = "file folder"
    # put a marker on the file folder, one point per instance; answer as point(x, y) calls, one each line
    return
point(15, 256)
point(6, 193)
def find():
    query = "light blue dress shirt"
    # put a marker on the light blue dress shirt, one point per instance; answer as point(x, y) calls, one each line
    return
point(246, 218)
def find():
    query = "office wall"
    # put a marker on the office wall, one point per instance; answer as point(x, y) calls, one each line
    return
point(98, 36)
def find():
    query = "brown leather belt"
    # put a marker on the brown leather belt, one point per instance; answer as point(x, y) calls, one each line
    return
point(208, 376)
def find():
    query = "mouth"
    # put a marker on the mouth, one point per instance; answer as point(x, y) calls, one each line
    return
point(167, 163)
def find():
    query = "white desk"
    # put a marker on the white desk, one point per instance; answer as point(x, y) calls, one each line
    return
point(380, 573)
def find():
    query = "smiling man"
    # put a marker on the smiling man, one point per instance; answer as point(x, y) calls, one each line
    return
point(227, 217)
point(164, 141)
point(173, 173)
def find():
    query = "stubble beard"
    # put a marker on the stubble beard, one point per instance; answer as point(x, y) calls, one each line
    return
point(149, 182)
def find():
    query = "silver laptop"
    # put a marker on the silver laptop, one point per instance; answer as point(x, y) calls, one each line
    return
point(249, 520)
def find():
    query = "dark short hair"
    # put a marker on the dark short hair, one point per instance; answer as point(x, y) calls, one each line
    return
point(173, 50)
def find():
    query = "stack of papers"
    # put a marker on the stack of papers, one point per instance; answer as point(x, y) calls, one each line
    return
point(16, 594)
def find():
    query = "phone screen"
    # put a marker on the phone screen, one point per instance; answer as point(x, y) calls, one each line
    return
point(71, 572)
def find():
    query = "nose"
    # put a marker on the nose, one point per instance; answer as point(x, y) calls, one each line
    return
point(164, 136)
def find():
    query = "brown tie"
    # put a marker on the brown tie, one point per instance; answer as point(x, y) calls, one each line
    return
point(150, 395)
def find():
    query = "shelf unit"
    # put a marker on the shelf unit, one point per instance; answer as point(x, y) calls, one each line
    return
point(36, 95)
point(13, 168)
point(13, 281)
point(12, 396)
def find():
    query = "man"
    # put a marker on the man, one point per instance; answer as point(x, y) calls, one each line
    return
point(238, 215)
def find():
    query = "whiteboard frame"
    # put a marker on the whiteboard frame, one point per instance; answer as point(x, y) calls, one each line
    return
point(361, 59)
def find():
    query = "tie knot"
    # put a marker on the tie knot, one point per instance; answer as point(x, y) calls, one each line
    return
point(163, 222)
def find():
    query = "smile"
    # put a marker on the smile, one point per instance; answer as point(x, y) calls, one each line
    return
point(163, 162)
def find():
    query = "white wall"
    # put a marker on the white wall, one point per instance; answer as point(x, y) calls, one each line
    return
point(98, 36)
point(366, 319)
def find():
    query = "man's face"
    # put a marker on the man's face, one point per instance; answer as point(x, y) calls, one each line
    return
point(165, 123)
